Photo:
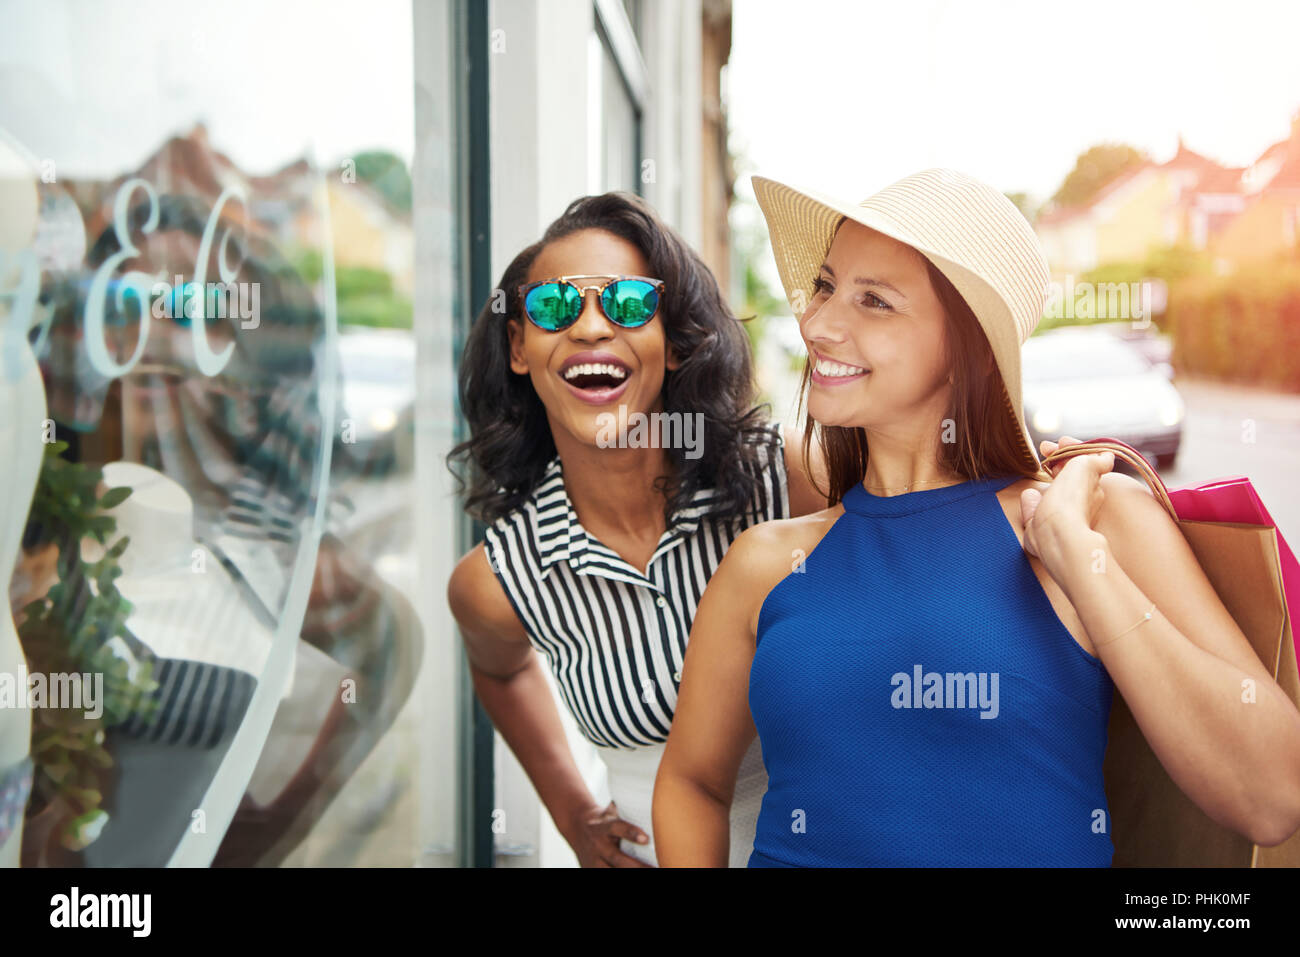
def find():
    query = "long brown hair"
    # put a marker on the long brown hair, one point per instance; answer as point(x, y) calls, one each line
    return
point(987, 440)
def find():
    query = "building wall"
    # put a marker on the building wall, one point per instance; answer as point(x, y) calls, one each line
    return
point(1135, 220)
point(717, 175)
point(369, 235)
point(1070, 246)
point(672, 124)
point(1261, 231)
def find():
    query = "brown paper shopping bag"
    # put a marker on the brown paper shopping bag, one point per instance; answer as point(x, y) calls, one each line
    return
point(1153, 823)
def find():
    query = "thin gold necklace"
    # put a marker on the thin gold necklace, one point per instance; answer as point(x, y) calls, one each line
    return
point(903, 488)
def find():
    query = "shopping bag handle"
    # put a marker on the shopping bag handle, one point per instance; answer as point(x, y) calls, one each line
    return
point(1122, 451)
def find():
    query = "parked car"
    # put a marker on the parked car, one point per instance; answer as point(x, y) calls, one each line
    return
point(1087, 382)
point(378, 367)
point(1156, 349)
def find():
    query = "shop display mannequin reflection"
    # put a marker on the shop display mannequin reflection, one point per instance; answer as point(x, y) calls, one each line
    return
point(184, 603)
point(22, 396)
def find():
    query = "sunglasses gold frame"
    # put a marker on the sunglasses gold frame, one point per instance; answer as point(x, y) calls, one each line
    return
point(600, 288)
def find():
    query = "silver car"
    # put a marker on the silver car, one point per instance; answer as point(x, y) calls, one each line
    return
point(1087, 382)
point(378, 368)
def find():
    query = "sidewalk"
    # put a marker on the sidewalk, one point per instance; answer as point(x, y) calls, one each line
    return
point(1209, 395)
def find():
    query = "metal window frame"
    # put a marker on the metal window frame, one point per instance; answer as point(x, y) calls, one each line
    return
point(611, 17)
point(616, 34)
point(473, 184)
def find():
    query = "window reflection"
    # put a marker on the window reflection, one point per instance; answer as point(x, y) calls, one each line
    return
point(223, 324)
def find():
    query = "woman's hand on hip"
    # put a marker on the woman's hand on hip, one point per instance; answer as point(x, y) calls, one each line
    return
point(595, 837)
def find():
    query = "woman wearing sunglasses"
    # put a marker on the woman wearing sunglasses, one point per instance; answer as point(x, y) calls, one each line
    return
point(932, 686)
point(615, 453)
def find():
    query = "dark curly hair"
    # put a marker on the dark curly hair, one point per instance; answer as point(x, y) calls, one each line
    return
point(510, 441)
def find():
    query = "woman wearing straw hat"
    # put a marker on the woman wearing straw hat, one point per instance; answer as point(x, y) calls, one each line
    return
point(928, 663)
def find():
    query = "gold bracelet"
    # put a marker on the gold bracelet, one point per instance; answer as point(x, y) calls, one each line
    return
point(1145, 618)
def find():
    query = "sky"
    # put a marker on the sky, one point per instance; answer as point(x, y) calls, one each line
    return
point(845, 96)
point(273, 80)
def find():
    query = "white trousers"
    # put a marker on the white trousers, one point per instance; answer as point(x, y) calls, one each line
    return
point(631, 787)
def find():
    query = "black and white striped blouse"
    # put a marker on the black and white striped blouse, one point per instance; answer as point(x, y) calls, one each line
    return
point(615, 635)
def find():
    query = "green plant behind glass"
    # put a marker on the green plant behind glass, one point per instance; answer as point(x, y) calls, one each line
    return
point(70, 631)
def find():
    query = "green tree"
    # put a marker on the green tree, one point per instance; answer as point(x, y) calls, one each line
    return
point(1096, 167)
point(759, 301)
point(388, 175)
point(1028, 208)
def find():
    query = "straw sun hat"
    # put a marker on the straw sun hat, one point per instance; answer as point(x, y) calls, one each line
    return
point(972, 233)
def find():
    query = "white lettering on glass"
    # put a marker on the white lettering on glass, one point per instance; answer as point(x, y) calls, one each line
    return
point(140, 284)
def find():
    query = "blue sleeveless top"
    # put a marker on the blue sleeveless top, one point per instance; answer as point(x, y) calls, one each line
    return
point(918, 701)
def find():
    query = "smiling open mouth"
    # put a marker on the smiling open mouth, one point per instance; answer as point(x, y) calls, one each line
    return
point(595, 375)
point(826, 372)
point(595, 381)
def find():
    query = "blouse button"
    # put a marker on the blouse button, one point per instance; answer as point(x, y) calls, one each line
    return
point(677, 676)
point(661, 601)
